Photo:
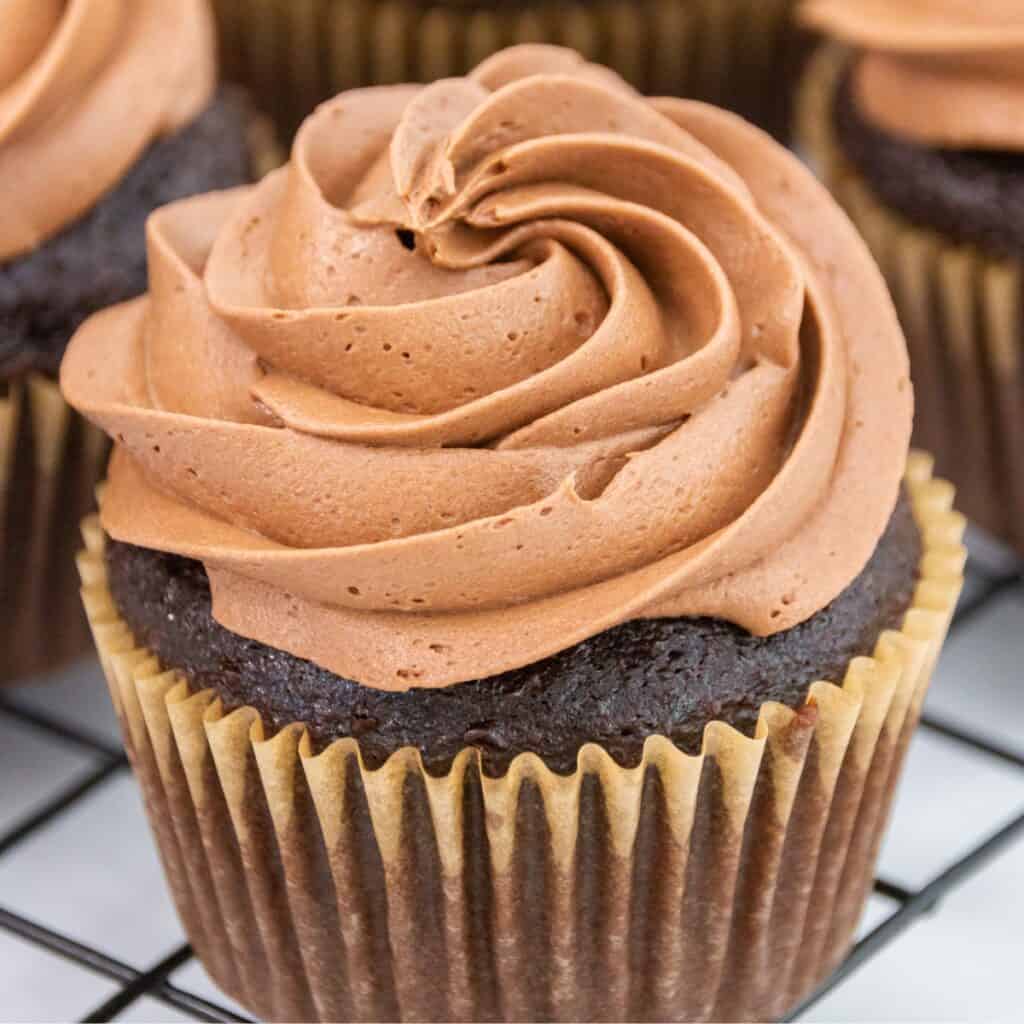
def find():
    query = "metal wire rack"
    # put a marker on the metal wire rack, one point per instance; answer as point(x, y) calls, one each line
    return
point(136, 982)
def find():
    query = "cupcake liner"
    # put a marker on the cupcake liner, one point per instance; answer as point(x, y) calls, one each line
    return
point(963, 314)
point(50, 463)
point(295, 53)
point(724, 885)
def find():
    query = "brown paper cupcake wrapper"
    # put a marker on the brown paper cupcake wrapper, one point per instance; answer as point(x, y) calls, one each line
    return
point(50, 463)
point(963, 314)
point(295, 53)
point(724, 885)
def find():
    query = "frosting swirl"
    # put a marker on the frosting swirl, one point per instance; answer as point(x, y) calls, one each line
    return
point(496, 364)
point(946, 73)
point(85, 86)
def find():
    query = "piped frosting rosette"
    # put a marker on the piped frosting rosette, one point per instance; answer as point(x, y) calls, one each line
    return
point(496, 364)
point(941, 72)
point(85, 86)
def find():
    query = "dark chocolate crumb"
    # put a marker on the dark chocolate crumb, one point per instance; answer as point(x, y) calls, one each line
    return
point(656, 676)
point(971, 196)
point(101, 258)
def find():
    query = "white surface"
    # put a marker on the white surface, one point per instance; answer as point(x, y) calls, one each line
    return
point(36, 986)
point(93, 873)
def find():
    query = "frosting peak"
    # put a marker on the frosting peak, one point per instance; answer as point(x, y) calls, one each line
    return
point(85, 86)
point(496, 364)
point(945, 73)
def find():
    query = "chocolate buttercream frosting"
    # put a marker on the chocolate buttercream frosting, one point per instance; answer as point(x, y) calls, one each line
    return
point(499, 363)
point(944, 73)
point(85, 87)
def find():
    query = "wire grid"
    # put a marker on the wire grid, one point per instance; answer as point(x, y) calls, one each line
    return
point(153, 981)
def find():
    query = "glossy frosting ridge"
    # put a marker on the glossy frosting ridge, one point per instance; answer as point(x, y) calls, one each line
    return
point(496, 364)
point(947, 73)
point(85, 86)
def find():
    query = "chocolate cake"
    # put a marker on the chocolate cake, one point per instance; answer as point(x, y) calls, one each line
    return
point(527, 436)
point(647, 677)
point(100, 259)
point(912, 115)
point(974, 196)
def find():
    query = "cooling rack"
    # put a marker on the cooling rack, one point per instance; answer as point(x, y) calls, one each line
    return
point(135, 982)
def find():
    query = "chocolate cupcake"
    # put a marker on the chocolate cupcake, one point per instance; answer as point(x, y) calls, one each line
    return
point(107, 110)
point(493, 489)
point(914, 119)
point(741, 54)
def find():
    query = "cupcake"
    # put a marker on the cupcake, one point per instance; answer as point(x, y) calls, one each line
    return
point(743, 54)
point(914, 118)
point(494, 489)
point(108, 108)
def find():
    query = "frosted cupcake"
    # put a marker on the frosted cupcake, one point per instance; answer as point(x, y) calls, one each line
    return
point(108, 108)
point(494, 487)
point(915, 122)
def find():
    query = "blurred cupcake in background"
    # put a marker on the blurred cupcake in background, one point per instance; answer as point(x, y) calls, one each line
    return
point(740, 54)
point(914, 115)
point(494, 489)
point(108, 108)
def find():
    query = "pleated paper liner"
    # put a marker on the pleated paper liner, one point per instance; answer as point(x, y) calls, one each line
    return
point(294, 54)
point(50, 463)
point(963, 314)
point(720, 886)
